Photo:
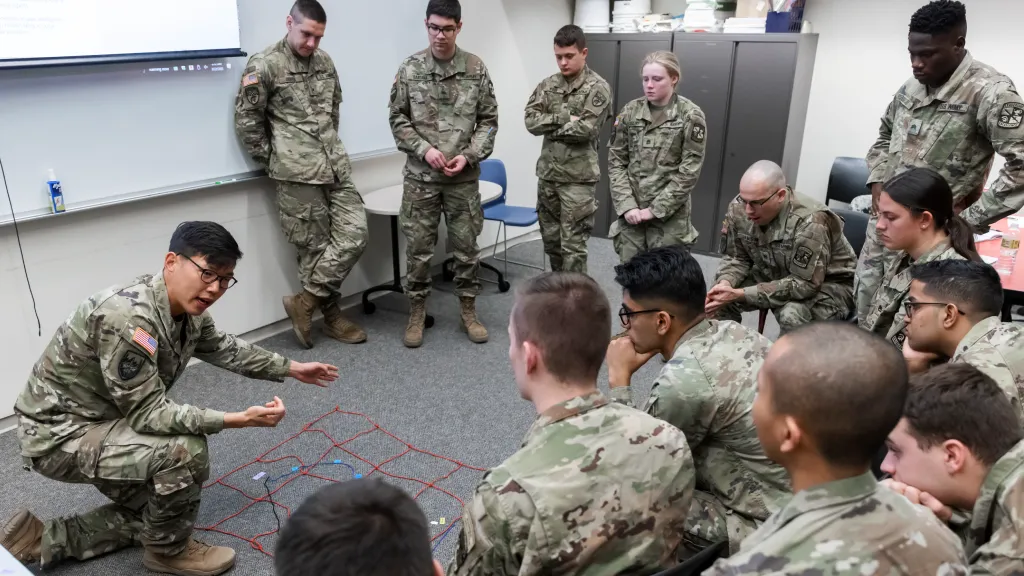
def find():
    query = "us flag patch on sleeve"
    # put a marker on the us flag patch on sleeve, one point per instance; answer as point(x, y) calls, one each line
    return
point(142, 338)
point(250, 79)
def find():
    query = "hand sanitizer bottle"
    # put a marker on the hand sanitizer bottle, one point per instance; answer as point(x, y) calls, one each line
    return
point(56, 193)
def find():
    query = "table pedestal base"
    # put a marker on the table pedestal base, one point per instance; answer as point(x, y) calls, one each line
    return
point(396, 283)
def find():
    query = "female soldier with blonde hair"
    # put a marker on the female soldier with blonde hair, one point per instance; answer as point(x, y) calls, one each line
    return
point(655, 158)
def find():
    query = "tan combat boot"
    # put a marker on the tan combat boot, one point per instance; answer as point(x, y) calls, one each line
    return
point(300, 308)
point(338, 327)
point(23, 537)
point(197, 559)
point(417, 318)
point(469, 323)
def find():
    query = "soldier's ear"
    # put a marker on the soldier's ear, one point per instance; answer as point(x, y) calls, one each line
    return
point(791, 434)
point(955, 456)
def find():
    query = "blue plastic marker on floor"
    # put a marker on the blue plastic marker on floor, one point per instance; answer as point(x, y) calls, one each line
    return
point(295, 468)
point(359, 476)
point(337, 461)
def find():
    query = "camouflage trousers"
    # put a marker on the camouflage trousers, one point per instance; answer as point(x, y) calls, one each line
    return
point(422, 205)
point(630, 240)
point(327, 226)
point(709, 522)
point(566, 216)
point(870, 269)
point(832, 302)
point(153, 482)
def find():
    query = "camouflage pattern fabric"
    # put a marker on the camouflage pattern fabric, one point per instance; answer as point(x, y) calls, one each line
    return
point(566, 214)
point(445, 105)
point(995, 545)
point(707, 390)
point(568, 168)
point(287, 112)
point(596, 489)
point(327, 226)
point(800, 266)
point(154, 483)
point(886, 316)
point(655, 164)
point(956, 131)
point(849, 527)
point(422, 205)
point(997, 349)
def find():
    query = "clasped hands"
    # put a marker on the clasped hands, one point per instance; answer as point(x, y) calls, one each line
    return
point(637, 216)
point(720, 295)
point(436, 159)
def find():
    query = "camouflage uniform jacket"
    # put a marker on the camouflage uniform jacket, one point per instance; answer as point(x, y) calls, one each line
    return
point(707, 390)
point(116, 357)
point(887, 317)
point(596, 489)
point(445, 105)
point(287, 115)
point(851, 527)
point(955, 131)
point(569, 153)
point(997, 349)
point(656, 166)
point(791, 257)
point(996, 542)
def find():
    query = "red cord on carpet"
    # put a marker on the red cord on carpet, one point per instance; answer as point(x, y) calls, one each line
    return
point(304, 469)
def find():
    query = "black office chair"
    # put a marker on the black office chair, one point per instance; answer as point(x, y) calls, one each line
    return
point(699, 563)
point(847, 180)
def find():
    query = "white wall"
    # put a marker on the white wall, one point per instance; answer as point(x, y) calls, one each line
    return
point(107, 246)
point(862, 61)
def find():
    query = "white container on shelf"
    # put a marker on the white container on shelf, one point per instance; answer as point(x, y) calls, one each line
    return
point(592, 14)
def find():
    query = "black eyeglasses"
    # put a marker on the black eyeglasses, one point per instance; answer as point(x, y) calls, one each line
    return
point(209, 276)
point(908, 306)
point(435, 30)
point(626, 313)
point(757, 203)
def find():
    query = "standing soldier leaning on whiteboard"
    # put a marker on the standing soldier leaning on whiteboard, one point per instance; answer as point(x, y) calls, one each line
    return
point(568, 109)
point(444, 116)
point(953, 116)
point(286, 115)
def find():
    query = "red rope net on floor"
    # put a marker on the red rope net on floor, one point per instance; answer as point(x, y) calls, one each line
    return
point(272, 485)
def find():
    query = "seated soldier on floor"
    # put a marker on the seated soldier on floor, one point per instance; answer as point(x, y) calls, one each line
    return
point(827, 396)
point(784, 252)
point(361, 527)
point(959, 446)
point(706, 390)
point(953, 312)
point(597, 487)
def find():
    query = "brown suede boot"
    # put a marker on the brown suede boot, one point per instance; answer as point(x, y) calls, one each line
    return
point(338, 327)
point(197, 559)
point(300, 308)
point(469, 323)
point(417, 318)
point(23, 537)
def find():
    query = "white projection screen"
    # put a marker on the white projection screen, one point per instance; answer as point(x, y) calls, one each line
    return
point(36, 33)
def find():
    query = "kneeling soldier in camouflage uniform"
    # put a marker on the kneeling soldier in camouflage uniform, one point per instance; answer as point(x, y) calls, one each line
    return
point(95, 411)
point(286, 114)
point(783, 252)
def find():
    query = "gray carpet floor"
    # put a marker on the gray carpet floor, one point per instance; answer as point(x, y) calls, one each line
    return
point(446, 403)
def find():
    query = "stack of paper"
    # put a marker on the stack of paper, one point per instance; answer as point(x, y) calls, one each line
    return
point(745, 25)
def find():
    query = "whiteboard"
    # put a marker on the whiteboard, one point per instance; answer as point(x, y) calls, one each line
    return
point(119, 132)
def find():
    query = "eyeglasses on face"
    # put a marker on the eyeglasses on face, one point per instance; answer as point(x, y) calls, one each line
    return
point(910, 305)
point(209, 276)
point(446, 30)
point(757, 203)
point(625, 314)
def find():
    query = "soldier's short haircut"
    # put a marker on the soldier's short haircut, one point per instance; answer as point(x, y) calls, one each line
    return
point(959, 402)
point(309, 9)
point(974, 287)
point(207, 239)
point(844, 385)
point(571, 35)
point(363, 527)
point(567, 316)
point(669, 274)
point(939, 17)
point(445, 9)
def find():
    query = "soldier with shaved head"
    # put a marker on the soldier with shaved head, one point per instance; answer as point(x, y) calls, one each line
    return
point(783, 252)
point(828, 395)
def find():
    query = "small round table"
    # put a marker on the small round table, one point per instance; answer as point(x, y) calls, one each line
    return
point(388, 202)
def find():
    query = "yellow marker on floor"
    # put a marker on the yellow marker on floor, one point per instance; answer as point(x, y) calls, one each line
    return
point(442, 519)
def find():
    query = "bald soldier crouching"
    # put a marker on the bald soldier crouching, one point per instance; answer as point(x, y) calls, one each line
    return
point(95, 411)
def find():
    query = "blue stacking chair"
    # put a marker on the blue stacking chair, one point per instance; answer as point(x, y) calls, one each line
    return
point(493, 170)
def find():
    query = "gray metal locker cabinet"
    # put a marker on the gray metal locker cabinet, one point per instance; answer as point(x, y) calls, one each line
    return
point(756, 109)
point(617, 58)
